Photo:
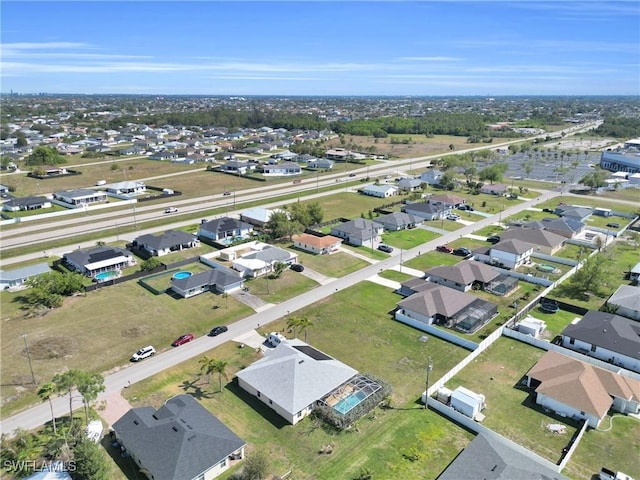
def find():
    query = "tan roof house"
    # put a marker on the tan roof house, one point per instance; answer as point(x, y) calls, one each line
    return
point(317, 245)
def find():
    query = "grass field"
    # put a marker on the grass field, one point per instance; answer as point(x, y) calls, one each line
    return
point(406, 239)
point(432, 259)
point(276, 290)
point(337, 264)
point(381, 440)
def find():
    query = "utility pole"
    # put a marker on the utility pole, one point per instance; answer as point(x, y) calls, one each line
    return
point(426, 392)
point(26, 347)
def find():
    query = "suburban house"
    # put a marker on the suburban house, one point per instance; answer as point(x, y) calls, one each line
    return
point(580, 390)
point(282, 170)
point(607, 337)
point(447, 200)
point(225, 230)
point(219, 280)
point(237, 167)
point(427, 211)
point(410, 184)
point(164, 155)
point(166, 242)
point(432, 177)
point(4, 190)
point(395, 221)
point(440, 305)
point(80, 197)
point(317, 245)
point(293, 377)
point(320, 164)
point(564, 226)
point(181, 440)
point(339, 154)
point(497, 189)
point(380, 191)
point(127, 188)
point(463, 276)
point(492, 457)
point(544, 241)
point(98, 259)
point(509, 254)
point(574, 212)
point(263, 260)
point(15, 278)
point(359, 232)
point(413, 285)
point(33, 202)
point(634, 274)
point(626, 300)
point(259, 216)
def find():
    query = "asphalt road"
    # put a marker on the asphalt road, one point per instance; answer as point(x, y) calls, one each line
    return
point(40, 414)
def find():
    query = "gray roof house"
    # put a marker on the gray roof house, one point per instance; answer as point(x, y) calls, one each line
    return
point(166, 242)
point(293, 377)
point(263, 261)
point(627, 301)
point(608, 337)
point(380, 191)
point(410, 184)
point(320, 163)
point(181, 440)
point(282, 170)
point(98, 259)
point(217, 280)
point(574, 212)
point(445, 306)
point(563, 226)
point(462, 276)
point(33, 202)
point(544, 241)
point(225, 230)
point(395, 221)
point(428, 211)
point(491, 457)
point(81, 196)
point(259, 216)
point(16, 277)
point(506, 253)
point(432, 177)
point(359, 232)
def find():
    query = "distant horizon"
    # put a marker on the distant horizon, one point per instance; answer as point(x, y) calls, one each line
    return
point(453, 48)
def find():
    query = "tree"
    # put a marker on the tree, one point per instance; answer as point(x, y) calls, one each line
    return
point(21, 140)
point(255, 466)
point(303, 324)
point(592, 277)
point(45, 392)
point(493, 173)
point(448, 179)
point(220, 367)
point(89, 386)
point(66, 382)
point(45, 156)
point(278, 269)
point(595, 179)
point(150, 264)
point(315, 212)
point(280, 226)
point(470, 172)
point(90, 462)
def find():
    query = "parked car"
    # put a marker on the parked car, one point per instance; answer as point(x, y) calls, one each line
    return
point(296, 267)
point(215, 331)
point(613, 225)
point(453, 216)
point(352, 174)
point(143, 353)
point(493, 239)
point(462, 252)
point(296, 181)
point(468, 208)
point(385, 248)
point(182, 339)
point(171, 210)
point(226, 194)
point(444, 249)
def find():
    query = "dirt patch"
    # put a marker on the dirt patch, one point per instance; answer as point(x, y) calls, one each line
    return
point(135, 332)
point(50, 348)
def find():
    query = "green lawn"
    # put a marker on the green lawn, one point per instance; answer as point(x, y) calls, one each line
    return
point(276, 290)
point(337, 264)
point(510, 410)
point(395, 275)
point(432, 259)
point(406, 239)
point(556, 322)
point(380, 439)
point(489, 230)
point(470, 243)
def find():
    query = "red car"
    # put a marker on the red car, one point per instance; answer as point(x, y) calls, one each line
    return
point(445, 249)
point(182, 340)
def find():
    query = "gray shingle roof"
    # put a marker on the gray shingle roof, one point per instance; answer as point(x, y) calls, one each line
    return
point(534, 236)
point(97, 254)
point(492, 458)
point(31, 201)
point(627, 296)
point(293, 379)
point(179, 441)
point(399, 219)
point(514, 246)
point(608, 331)
point(217, 276)
point(225, 224)
point(164, 240)
point(436, 299)
point(24, 272)
point(465, 272)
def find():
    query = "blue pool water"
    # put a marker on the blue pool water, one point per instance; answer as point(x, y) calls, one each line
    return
point(347, 403)
point(179, 275)
point(105, 275)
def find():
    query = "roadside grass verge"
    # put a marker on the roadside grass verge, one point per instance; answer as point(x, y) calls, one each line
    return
point(337, 264)
point(432, 259)
point(275, 290)
point(395, 275)
point(406, 239)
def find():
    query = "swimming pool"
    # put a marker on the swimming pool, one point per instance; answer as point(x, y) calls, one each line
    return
point(347, 403)
point(179, 275)
point(102, 276)
point(546, 268)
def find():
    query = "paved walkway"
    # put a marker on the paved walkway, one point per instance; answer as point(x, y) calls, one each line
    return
point(317, 276)
point(251, 338)
point(115, 406)
point(252, 301)
point(358, 255)
point(385, 282)
point(439, 231)
point(409, 271)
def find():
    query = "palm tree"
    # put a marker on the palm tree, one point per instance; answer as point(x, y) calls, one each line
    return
point(220, 367)
point(206, 366)
point(303, 323)
point(292, 324)
point(45, 392)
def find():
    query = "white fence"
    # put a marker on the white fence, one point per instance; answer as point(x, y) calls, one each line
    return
point(574, 445)
point(552, 258)
point(436, 332)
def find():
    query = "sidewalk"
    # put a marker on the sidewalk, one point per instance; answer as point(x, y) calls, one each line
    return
point(115, 407)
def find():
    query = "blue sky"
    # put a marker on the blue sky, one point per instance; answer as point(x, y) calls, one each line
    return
point(549, 47)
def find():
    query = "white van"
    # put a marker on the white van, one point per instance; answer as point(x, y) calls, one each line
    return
point(100, 183)
point(274, 339)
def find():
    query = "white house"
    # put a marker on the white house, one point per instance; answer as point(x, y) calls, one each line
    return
point(380, 191)
point(263, 260)
point(317, 245)
point(127, 188)
point(506, 253)
point(17, 277)
point(284, 169)
point(166, 242)
point(80, 197)
point(582, 391)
